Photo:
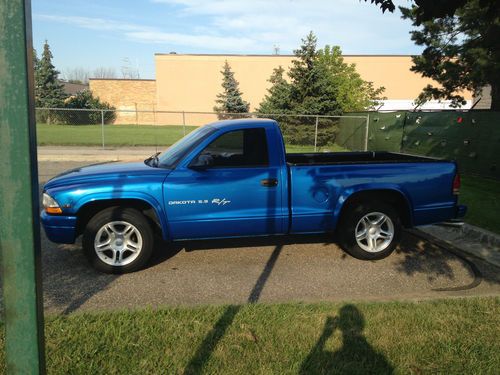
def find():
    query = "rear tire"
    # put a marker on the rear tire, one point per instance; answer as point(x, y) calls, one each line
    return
point(370, 230)
point(118, 240)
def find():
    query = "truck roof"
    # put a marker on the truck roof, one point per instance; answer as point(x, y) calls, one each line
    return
point(243, 123)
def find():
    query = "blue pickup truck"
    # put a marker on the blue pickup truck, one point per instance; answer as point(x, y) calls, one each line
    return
point(234, 179)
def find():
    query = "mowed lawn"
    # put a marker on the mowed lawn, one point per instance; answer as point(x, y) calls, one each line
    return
point(128, 135)
point(482, 197)
point(114, 135)
point(455, 336)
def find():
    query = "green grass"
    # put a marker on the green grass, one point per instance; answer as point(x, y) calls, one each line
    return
point(482, 197)
point(114, 135)
point(127, 135)
point(448, 336)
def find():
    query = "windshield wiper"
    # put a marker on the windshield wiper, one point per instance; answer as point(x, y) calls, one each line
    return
point(153, 159)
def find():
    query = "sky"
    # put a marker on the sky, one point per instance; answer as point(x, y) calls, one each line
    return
point(114, 34)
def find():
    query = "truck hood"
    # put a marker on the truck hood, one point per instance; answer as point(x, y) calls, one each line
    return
point(104, 172)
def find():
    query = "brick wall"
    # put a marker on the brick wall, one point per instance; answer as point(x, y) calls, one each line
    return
point(128, 95)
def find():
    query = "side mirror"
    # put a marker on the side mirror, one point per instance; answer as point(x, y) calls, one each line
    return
point(202, 162)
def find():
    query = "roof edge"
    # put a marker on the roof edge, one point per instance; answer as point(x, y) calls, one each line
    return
point(270, 55)
point(122, 79)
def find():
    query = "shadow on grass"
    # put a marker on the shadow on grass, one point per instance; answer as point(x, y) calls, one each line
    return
point(356, 356)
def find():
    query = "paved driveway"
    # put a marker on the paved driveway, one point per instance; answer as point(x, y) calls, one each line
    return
point(282, 269)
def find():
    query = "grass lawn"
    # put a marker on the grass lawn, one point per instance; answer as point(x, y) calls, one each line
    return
point(127, 135)
point(482, 196)
point(114, 135)
point(448, 336)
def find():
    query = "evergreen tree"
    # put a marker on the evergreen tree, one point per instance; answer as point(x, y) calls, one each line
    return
point(462, 51)
point(49, 91)
point(310, 90)
point(230, 100)
point(352, 93)
point(278, 98)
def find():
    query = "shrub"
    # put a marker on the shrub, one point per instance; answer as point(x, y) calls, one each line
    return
point(85, 100)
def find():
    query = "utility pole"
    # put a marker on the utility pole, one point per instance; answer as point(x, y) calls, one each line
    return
point(19, 206)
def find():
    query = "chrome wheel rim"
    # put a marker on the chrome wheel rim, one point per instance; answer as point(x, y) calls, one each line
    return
point(374, 232)
point(118, 243)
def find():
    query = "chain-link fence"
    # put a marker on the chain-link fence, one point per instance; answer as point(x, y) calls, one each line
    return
point(106, 128)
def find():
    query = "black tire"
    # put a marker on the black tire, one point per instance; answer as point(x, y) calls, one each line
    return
point(350, 219)
point(125, 215)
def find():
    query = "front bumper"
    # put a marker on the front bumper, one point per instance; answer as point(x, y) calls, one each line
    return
point(59, 228)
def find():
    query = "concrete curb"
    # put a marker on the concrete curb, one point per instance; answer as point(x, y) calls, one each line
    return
point(470, 239)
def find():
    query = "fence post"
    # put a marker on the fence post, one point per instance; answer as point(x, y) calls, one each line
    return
point(19, 207)
point(102, 127)
point(184, 122)
point(367, 131)
point(316, 134)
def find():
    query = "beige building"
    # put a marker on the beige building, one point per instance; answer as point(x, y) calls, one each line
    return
point(190, 83)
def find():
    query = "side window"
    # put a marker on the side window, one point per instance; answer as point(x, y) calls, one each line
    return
point(240, 148)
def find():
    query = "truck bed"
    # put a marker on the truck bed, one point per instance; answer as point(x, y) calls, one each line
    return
point(354, 158)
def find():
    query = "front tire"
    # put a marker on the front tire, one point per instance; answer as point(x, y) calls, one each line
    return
point(370, 230)
point(118, 240)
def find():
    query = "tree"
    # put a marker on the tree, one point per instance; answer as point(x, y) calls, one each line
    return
point(427, 10)
point(321, 84)
point(462, 52)
point(278, 98)
point(462, 48)
point(36, 68)
point(49, 92)
point(352, 93)
point(76, 75)
point(230, 100)
point(310, 89)
point(103, 72)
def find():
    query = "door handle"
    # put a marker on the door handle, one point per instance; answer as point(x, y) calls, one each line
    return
point(269, 182)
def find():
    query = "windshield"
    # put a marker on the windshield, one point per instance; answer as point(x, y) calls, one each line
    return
point(176, 152)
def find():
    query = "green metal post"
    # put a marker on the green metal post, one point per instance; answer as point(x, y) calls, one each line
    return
point(19, 207)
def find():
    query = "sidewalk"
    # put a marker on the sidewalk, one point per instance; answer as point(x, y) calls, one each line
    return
point(470, 239)
point(82, 153)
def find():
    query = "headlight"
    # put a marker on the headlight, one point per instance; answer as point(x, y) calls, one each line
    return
point(50, 205)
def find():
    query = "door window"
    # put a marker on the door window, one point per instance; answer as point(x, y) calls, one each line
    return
point(240, 148)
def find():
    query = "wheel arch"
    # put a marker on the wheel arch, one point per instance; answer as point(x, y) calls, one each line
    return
point(392, 196)
point(151, 210)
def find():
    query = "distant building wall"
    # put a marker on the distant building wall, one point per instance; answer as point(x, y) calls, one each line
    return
point(127, 95)
point(192, 82)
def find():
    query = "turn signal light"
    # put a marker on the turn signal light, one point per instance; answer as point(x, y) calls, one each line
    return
point(53, 210)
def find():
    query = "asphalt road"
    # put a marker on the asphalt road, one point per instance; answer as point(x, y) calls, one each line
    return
point(281, 269)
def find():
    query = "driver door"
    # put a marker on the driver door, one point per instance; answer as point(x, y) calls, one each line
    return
point(229, 189)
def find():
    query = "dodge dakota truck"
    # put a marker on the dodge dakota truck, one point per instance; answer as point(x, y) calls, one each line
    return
point(234, 179)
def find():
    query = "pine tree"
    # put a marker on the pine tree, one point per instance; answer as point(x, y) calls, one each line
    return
point(49, 91)
point(278, 98)
point(311, 91)
point(230, 100)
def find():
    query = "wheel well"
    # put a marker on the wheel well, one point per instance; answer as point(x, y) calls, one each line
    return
point(89, 210)
point(392, 197)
